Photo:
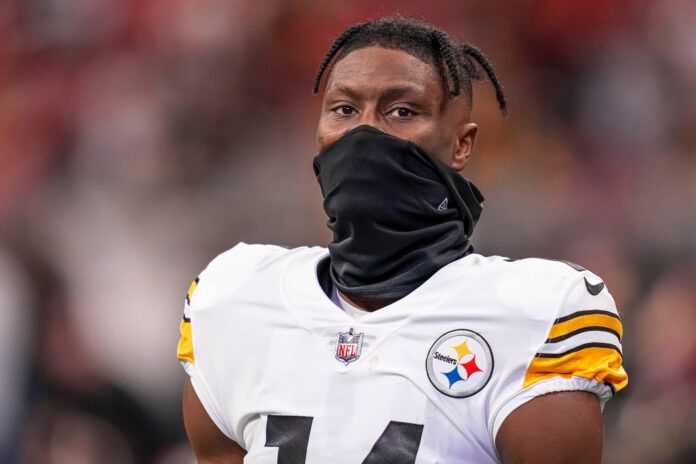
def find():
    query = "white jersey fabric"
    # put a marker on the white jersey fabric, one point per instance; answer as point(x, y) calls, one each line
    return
point(291, 377)
point(347, 306)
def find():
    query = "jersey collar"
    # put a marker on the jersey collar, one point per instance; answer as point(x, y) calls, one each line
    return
point(307, 300)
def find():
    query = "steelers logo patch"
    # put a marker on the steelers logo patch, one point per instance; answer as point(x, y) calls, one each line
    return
point(460, 363)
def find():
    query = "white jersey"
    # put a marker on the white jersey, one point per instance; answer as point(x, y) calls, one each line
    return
point(292, 378)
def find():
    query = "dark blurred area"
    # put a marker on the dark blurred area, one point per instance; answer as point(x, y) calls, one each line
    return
point(140, 138)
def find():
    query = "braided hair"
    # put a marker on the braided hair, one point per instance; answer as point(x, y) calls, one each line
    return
point(456, 63)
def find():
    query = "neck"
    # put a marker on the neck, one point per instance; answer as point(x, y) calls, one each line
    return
point(368, 304)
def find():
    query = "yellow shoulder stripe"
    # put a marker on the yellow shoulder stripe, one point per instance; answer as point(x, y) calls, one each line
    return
point(185, 349)
point(587, 320)
point(602, 364)
point(191, 289)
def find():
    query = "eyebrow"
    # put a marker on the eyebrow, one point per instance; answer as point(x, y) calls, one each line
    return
point(389, 93)
point(400, 91)
point(344, 89)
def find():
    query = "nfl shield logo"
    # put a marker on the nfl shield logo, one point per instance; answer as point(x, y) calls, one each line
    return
point(349, 346)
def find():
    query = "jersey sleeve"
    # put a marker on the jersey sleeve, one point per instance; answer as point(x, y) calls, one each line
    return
point(581, 350)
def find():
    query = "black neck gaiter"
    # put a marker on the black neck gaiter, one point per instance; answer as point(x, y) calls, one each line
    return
point(397, 214)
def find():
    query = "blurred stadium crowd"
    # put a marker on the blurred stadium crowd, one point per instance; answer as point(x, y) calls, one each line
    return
point(139, 138)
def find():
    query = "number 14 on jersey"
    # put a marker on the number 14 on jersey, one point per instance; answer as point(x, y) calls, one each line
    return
point(291, 434)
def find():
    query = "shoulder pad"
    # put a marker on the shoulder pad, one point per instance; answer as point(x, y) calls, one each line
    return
point(230, 269)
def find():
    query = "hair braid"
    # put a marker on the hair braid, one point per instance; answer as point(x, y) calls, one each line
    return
point(335, 47)
point(473, 52)
point(448, 53)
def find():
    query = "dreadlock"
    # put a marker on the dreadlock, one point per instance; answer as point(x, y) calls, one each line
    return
point(456, 63)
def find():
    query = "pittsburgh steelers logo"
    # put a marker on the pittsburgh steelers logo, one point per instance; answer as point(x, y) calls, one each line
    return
point(460, 363)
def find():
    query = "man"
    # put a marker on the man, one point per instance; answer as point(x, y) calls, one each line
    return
point(399, 344)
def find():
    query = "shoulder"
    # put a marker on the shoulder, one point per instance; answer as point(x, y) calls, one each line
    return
point(232, 268)
point(243, 258)
point(539, 288)
point(575, 287)
point(574, 331)
point(540, 271)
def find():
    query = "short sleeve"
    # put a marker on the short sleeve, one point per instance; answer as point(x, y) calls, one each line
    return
point(582, 350)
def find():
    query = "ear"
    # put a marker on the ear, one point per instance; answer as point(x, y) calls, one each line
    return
point(464, 146)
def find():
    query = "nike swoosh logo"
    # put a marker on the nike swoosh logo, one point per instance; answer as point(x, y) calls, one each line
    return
point(594, 289)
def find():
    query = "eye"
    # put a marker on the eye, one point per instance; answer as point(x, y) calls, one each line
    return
point(402, 112)
point(344, 110)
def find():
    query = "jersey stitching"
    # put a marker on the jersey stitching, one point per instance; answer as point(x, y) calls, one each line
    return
point(588, 312)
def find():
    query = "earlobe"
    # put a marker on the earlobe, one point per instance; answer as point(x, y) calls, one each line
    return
point(465, 146)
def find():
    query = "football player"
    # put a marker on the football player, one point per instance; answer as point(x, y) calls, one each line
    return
point(398, 343)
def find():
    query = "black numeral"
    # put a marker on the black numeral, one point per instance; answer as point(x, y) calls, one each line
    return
point(398, 444)
point(291, 435)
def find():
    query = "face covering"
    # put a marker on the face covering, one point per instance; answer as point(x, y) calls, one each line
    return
point(397, 214)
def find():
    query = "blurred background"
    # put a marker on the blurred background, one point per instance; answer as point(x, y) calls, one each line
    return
point(140, 138)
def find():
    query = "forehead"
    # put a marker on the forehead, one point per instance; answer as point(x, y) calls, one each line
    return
point(373, 68)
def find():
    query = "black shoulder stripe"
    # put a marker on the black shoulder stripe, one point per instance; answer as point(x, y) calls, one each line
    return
point(611, 387)
point(580, 347)
point(581, 330)
point(586, 313)
point(186, 319)
point(576, 267)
